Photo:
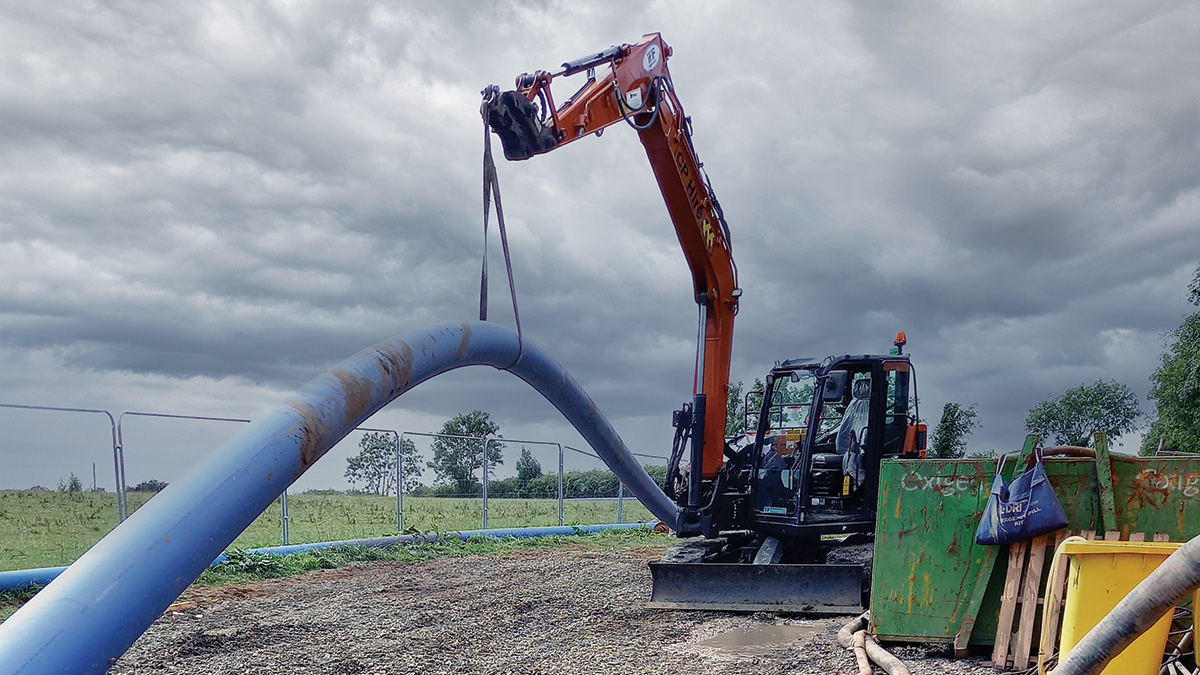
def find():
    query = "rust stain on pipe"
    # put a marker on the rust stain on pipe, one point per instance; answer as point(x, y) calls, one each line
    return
point(396, 364)
point(312, 430)
point(357, 395)
point(466, 341)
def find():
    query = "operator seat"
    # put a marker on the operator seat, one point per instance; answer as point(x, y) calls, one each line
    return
point(829, 469)
point(855, 417)
point(852, 432)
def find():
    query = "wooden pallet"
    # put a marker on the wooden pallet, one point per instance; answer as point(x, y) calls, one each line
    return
point(1026, 587)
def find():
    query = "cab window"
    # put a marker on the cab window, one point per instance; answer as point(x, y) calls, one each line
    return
point(901, 403)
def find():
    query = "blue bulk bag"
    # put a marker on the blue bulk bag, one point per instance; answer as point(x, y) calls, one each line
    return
point(1020, 510)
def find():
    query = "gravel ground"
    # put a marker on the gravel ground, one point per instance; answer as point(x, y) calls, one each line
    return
point(558, 612)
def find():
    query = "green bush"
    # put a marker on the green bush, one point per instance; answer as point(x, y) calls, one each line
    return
point(263, 565)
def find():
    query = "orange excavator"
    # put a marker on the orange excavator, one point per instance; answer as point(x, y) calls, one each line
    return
point(638, 91)
point(767, 510)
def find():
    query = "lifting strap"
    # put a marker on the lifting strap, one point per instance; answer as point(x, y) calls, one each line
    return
point(491, 188)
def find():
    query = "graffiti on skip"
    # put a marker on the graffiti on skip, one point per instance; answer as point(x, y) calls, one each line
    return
point(946, 486)
point(1187, 484)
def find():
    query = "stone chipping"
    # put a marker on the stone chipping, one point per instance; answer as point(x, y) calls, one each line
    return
point(558, 612)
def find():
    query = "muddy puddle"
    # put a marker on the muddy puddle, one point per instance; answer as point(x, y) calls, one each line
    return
point(748, 640)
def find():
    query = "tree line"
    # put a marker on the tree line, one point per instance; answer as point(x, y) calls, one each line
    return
point(457, 466)
point(457, 458)
point(593, 483)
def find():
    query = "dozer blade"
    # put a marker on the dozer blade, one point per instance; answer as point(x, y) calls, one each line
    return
point(809, 589)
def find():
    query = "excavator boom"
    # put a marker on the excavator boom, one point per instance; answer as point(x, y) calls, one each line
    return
point(631, 84)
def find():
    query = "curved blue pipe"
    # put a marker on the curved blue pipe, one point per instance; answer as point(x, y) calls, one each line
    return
point(41, 576)
point(87, 617)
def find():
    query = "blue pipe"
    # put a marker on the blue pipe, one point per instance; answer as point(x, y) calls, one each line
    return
point(41, 576)
point(87, 617)
point(383, 542)
point(17, 579)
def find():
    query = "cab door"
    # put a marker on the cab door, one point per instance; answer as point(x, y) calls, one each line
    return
point(783, 431)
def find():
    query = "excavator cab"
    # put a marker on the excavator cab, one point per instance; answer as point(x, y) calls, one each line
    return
point(823, 428)
point(803, 492)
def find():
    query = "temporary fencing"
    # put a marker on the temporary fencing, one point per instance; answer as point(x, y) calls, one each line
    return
point(552, 484)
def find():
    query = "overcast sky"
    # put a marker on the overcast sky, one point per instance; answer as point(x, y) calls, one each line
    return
point(204, 205)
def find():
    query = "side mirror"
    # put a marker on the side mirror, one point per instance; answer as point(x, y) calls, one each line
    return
point(834, 388)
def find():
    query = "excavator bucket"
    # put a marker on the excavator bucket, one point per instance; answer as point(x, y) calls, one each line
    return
point(515, 119)
point(807, 589)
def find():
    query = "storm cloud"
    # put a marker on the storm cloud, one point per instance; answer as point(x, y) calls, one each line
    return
point(202, 206)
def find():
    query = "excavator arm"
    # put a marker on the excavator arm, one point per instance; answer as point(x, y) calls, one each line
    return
point(631, 84)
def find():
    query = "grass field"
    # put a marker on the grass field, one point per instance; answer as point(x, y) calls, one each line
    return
point(48, 529)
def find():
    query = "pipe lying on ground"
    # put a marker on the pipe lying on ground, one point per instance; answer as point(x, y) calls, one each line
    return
point(87, 617)
point(17, 579)
point(1164, 588)
point(860, 653)
point(880, 656)
point(429, 538)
